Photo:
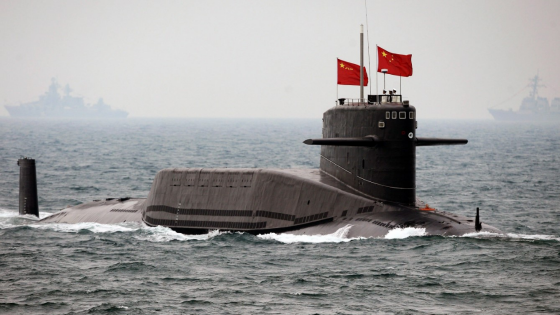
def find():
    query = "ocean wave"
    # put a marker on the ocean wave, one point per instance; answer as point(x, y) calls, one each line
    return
point(89, 226)
point(534, 237)
point(11, 219)
point(156, 234)
point(482, 234)
point(336, 237)
point(400, 233)
point(160, 234)
point(5, 213)
point(514, 236)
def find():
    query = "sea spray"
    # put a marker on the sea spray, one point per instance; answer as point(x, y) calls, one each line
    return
point(401, 233)
point(337, 237)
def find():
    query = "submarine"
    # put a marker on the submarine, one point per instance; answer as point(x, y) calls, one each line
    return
point(365, 185)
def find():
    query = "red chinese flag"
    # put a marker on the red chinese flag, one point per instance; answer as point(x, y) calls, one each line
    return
point(349, 73)
point(395, 64)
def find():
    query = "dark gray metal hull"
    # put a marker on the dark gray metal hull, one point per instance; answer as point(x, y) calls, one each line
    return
point(111, 211)
point(258, 201)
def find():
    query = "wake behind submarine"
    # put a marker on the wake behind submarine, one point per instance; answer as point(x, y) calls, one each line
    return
point(366, 183)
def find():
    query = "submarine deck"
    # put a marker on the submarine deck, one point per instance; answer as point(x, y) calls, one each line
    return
point(118, 210)
point(107, 211)
point(364, 217)
point(319, 176)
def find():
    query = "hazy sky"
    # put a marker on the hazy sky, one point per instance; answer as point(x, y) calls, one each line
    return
point(275, 58)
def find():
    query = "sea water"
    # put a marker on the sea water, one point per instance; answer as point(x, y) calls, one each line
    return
point(510, 171)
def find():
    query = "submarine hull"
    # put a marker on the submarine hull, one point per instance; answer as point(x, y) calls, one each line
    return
point(108, 211)
point(259, 201)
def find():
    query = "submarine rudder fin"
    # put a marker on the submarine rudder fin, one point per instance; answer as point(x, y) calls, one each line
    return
point(477, 223)
point(28, 199)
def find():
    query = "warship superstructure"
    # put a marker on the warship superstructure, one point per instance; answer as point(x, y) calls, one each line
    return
point(533, 107)
point(54, 105)
point(365, 186)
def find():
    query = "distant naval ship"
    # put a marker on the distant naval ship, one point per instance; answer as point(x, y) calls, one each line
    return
point(53, 105)
point(533, 107)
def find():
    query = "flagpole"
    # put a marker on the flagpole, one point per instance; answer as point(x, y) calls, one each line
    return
point(376, 73)
point(400, 86)
point(336, 84)
point(361, 63)
point(368, 50)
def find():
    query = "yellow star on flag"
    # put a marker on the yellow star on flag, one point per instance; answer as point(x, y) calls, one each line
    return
point(384, 54)
point(341, 65)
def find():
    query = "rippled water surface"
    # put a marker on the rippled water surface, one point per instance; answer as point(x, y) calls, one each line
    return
point(510, 171)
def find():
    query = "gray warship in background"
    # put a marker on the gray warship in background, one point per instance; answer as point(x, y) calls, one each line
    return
point(365, 186)
point(53, 105)
point(533, 107)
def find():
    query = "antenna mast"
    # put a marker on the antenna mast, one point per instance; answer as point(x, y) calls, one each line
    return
point(534, 85)
point(368, 56)
point(361, 62)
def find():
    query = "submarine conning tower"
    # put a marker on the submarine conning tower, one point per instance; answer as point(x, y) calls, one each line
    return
point(371, 147)
point(385, 169)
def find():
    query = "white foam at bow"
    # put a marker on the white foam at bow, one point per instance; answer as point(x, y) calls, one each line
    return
point(11, 218)
point(343, 232)
point(161, 234)
point(400, 233)
point(152, 234)
point(483, 234)
point(5, 213)
point(93, 227)
point(336, 237)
